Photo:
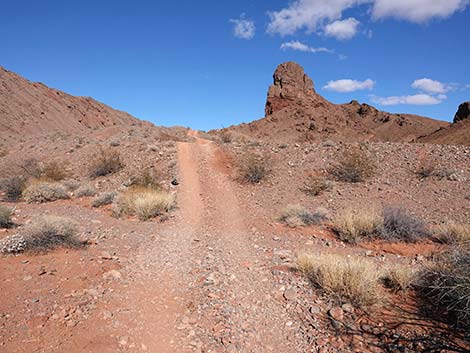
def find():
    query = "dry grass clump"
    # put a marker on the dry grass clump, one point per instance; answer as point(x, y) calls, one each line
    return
point(354, 166)
point(453, 233)
point(445, 286)
point(253, 168)
point(104, 163)
point(104, 199)
point(13, 187)
point(85, 191)
point(398, 224)
point(352, 279)
point(315, 184)
point(5, 217)
point(147, 179)
point(399, 278)
point(40, 192)
point(53, 171)
point(353, 226)
point(50, 232)
point(298, 216)
point(145, 203)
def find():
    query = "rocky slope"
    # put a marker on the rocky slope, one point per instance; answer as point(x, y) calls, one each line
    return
point(295, 112)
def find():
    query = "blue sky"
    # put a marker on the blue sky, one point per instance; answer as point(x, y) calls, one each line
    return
point(208, 64)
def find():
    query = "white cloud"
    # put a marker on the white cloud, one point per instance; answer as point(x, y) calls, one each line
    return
point(312, 15)
point(430, 86)
point(299, 46)
point(347, 85)
point(243, 28)
point(417, 10)
point(416, 99)
point(342, 29)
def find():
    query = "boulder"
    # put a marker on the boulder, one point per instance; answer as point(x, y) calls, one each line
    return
point(463, 113)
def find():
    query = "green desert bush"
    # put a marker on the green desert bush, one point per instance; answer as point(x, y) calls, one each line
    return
point(104, 199)
point(145, 203)
point(40, 192)
point(444, 286)
point(104, 163)
point(353, 166)
point(5, 217)
point(298, 216)
point(352, 279)
point(13, 187)
point(253, 168)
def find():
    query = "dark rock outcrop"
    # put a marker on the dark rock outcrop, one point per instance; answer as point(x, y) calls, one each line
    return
point(463, 113)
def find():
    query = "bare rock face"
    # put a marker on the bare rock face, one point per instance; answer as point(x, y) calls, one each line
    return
point(463, 113)
point(290, 84)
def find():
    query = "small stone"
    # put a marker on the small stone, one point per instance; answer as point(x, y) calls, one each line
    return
point(336, 313)
point(290, 294)
point(27, 278)
point(123, 341)
point(348, 308)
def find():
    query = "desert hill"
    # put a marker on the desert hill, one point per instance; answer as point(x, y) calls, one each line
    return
point(296, 112)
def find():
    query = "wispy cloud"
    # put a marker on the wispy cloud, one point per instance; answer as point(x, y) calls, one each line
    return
point(342, 29)
point(299, 46)
point(243, 28)
point(347, 85)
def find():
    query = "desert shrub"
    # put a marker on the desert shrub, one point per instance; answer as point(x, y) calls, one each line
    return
point(53, 171)
point(453, 233)
point(85, 191)
point(71, 184)
point(13, 187)
point(145, 203)
point(353, 226)
point(352, 279)
point(297, 216)
point(104, 163)
point(253, 168)
point(31, 168)
point(50, 232)
point(444, 286)
point(226, 137)
point(104, 199)
point(5, 217)
point(353, 167)
point(398, 224)
point(315, 184)
point(41, 192)
point(399, 278)
point(147, 179)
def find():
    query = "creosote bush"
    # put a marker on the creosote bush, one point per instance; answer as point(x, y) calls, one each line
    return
point(50, 232)
point(315, 184)
point(353, 279)
point(104, 163)
point(40, 192)
point(354, 166)
point(13, 187)
point(298, 216)
point(253, 168)
point(453, 233)
point(5, 217)
point(104, 199)
point(444, 286)
point(145, 203)
point(352, 227)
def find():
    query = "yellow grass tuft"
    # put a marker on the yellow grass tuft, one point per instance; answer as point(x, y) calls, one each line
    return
point(353, 226)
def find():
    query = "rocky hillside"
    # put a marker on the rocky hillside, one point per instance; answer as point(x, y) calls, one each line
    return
point(33, 109)
point(296, 112)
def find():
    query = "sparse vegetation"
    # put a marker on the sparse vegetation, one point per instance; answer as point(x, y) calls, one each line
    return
point(145, 203)
point(298, 216)
point(50, 232)
point(445, 286)
point(453, 233)
point(353, 167)
point(353, 226)
point(226, 137)
point(148, 179)
point(399, 278)
point(426, 167)
point(5, 217)
point(253, 168)
point(104, 163)
point(71, 184)
point(104, 199)
point(315, 184)
point(398, 224)
point(85, 191)
point(351, 279)
point(40, 192)
point(13, 187)
point(53, 171)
